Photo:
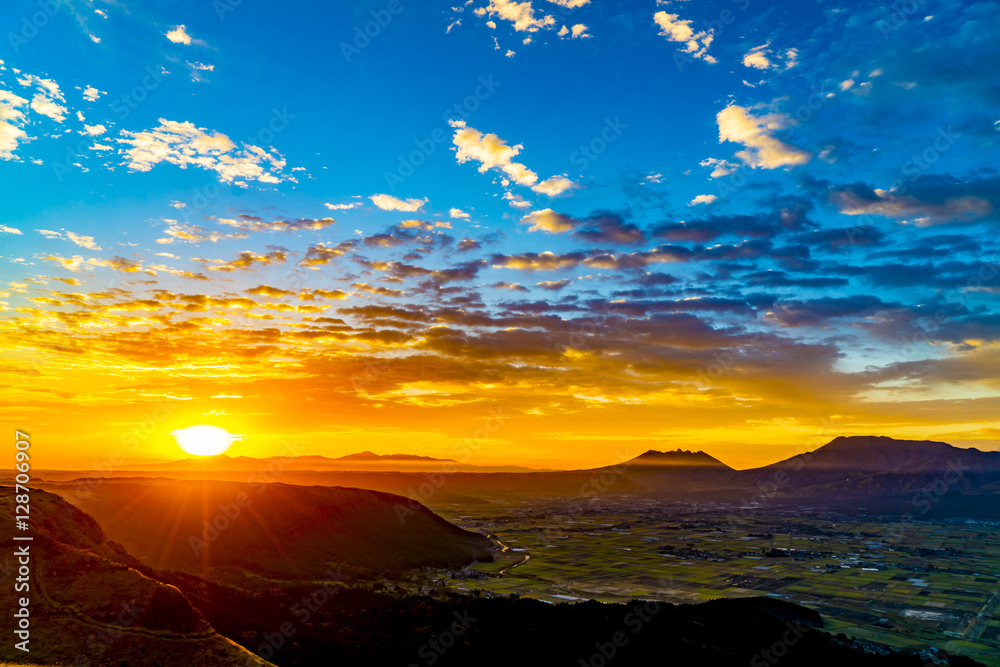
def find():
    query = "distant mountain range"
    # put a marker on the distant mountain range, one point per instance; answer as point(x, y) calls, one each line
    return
point(366, 460)
point(924, 478)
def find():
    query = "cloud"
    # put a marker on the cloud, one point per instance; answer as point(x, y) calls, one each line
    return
point(492, 152)
point(91, 94)
point(11, 121)
point(458, 214)
point(675, 30)
point(184, 144)
point(4, 229)
point(83, 241)
point(44, 102)
point(703, 199)
point(342, 207)
point(929, 200)
point(817, 312)
point(520, 14)
point(555, 185)
point(570, 4)
point(185, 233)
point(720, 168)
point(95, 130)
point(254, 223)
point(179, 35)
point(322, 254)
point(390, 203)
point(601, 227)
point(249, 261)
point(761, 57)
point(547, 220)
point(763, 149)
point(554, 285)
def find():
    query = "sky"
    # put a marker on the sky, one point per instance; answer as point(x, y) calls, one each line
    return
point(549, 233)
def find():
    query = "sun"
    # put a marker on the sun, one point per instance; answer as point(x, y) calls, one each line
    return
point(204, 440)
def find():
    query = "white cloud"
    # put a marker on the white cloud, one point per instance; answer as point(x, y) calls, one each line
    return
point(44, 105)
point(44, 102)
point(390, 203)
point(547, 220)
point(492, 152)
point(458, 214)
point(720, 168)
point(757, 58)
point(343, 207)
point(185, 233)
point(91, 94)
point(49, 234)
point(703, 199)
point(4, 229)
point(83, 241)
point(675, 30)
point(178, 204)
point(761, 57)
point(179, 35)
point(184, 144)
point(763, 149)
point(95, 130)
point(570, 4)
point(517, 201)
point(11, 121)
point(579, 30)
point(520, 14)
point(555, 185)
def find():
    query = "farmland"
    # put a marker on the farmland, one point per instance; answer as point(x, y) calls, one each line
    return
point(907, 585)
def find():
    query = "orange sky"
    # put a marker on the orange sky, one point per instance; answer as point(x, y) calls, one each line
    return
point(98, 381)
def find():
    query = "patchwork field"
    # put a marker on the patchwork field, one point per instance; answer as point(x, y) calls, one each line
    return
point(913, 585)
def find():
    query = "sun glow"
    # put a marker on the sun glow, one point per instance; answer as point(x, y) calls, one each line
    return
point(204, 440)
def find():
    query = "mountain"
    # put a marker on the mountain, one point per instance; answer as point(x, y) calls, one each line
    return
point(361, 461)
point(880, 454)
point(676, 472)
point(922, 477)
point(370, 456)
point(90, 604)
point(247, 532)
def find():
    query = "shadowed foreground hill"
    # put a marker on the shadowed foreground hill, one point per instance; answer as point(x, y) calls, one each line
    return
point(230, 531)
point(89, 605)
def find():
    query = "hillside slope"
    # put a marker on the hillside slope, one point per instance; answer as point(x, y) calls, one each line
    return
point(89, 605)
point(238, 532)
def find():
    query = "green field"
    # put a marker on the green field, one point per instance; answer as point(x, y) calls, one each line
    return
point(906, 586)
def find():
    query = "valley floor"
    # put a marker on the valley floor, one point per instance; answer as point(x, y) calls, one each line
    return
point(911, 585)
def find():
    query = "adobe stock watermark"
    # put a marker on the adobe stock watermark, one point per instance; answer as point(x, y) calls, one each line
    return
point(587, 153)
point(123, 106)
point(432, 650)
point(424, 148)
point(635, 620)
point(715, 28)
point(202, 196)
point(902, 12)
point(464, 449)
point(31, 25)
point(230, 512)
point(372, 29)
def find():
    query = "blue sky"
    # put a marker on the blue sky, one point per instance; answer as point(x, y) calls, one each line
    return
point(760, 218)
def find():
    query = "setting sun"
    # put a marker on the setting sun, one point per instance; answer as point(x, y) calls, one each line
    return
point(204, 440)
